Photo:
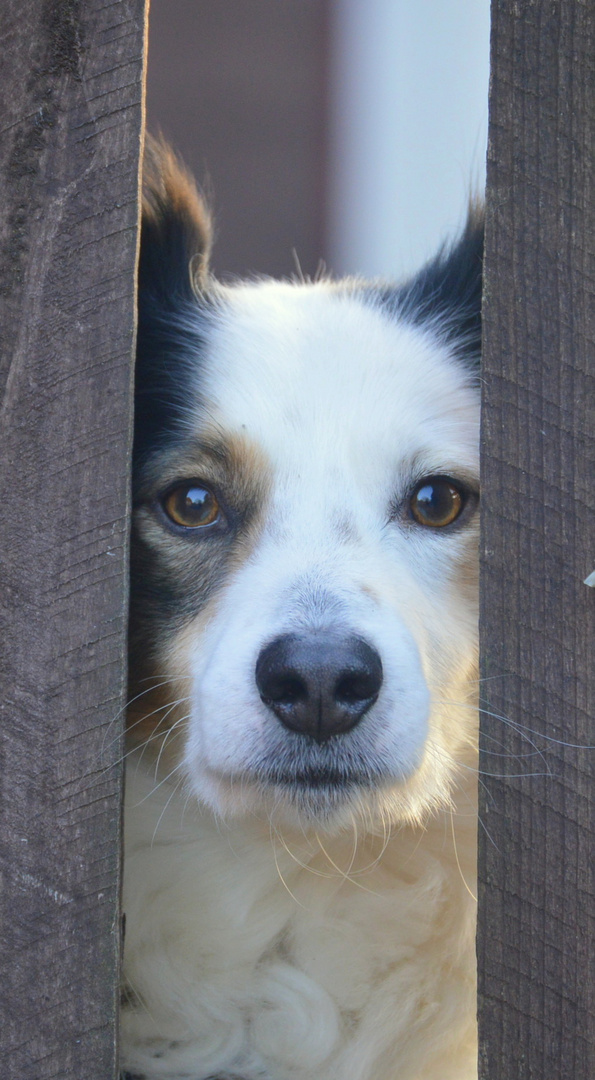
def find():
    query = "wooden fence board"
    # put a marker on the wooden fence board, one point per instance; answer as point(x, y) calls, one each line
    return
point(71, 92)
point(536, 943)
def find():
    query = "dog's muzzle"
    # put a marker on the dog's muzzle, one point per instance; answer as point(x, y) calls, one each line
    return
point(319, 684)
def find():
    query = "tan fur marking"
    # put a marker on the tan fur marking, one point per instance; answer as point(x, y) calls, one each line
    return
point(466, 576)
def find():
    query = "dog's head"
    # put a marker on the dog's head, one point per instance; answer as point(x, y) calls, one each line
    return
point(305, 525)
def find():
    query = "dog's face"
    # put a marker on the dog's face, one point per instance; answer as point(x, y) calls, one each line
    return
point(305, 531)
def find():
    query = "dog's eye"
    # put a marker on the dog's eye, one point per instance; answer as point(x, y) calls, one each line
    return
point(437, 501)
point(191, 505)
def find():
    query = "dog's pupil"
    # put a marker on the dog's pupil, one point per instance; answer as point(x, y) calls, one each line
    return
point(198, 503)
point(196, 499)
point(437, 503)
point(191, 506)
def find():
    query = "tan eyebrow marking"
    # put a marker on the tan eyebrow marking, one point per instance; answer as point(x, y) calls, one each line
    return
point(235, 461)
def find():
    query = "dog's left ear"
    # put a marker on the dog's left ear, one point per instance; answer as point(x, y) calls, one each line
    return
point(176, 230)
point(446, 293)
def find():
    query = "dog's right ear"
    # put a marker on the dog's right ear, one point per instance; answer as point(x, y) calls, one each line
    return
point(172, 296)
point(176, 230)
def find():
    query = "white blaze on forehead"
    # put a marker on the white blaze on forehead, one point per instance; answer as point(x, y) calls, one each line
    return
point(316, 376)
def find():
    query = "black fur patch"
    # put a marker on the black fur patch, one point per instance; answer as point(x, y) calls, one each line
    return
point(446, 293)
point(175, 572)
point(173, 304)
point(173, 326)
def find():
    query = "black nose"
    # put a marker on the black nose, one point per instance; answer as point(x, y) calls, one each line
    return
point(319, 684)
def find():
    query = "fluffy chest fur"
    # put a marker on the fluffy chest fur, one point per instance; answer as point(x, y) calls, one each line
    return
point(300, 822)
point(267, 954)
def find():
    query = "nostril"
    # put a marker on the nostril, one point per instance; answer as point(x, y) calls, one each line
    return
point(354, 689)
point(278, 682)
point(282, 689)
point(358, 685)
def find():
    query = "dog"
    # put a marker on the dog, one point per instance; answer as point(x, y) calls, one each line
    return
point(301, 784)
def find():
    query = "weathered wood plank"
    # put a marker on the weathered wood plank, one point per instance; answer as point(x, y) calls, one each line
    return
point(71, 88)
point(536, 944)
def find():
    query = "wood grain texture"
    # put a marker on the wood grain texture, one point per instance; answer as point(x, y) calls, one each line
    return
point(71, 90)
point(536, 943)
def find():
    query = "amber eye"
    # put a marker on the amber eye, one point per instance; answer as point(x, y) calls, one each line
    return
point(191, 505)
point(436, 502)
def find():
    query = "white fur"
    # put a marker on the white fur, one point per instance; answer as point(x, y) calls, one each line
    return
point(317, 938)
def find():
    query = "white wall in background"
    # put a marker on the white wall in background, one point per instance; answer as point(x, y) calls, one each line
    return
point(409, 87)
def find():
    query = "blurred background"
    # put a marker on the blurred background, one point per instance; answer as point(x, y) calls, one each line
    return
point(347, 131)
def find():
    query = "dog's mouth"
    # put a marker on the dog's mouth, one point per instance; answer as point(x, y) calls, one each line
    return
point(326, 787)
point(310, 781)
point(315, 792)
point(312, 795)
point(315, 779)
